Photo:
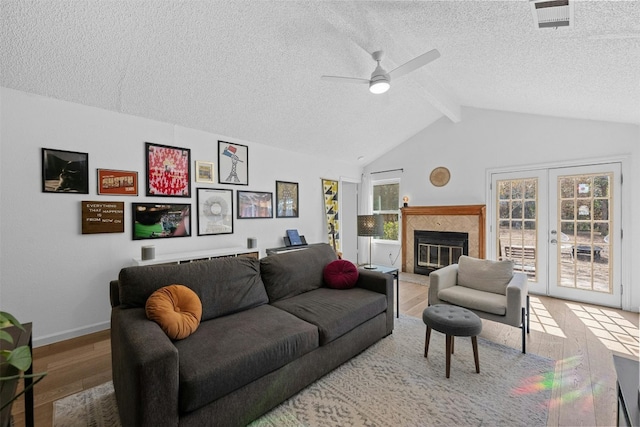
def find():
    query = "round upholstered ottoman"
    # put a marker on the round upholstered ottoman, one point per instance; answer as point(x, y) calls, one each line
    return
point(453, 321)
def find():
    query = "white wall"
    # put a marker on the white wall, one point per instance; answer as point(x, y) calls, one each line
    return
point(57, 278)
point(487, 139)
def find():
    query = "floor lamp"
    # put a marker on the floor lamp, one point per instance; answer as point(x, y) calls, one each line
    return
point(370, 226)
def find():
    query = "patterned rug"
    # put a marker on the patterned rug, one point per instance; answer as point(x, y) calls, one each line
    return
point(391, 383)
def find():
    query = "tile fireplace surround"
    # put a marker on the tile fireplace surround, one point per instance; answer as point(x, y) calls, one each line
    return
point(462, 218)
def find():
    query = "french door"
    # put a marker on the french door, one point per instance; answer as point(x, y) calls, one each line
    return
point(561, 226)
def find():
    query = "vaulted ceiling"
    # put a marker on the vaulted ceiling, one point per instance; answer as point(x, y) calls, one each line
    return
point(251, 70)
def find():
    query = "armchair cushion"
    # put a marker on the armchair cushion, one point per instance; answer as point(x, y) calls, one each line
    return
point(476, 300)
point(484, 275)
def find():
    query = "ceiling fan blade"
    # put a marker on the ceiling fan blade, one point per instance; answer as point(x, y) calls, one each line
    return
point(345, 79)
point(415, 63)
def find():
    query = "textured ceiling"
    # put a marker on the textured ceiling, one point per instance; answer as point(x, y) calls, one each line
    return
point(251, 69)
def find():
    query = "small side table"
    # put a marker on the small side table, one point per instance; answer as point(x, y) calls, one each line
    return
point(392, 271)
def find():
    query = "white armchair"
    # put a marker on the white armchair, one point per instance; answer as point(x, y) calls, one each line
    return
point(488, 288)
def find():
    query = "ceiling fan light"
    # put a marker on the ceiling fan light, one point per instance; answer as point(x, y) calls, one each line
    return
point(378, 87)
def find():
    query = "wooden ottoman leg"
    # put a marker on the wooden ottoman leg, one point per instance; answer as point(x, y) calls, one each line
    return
point(449, 345)
point(474, 343)
point(453, 340)
point(426, 340)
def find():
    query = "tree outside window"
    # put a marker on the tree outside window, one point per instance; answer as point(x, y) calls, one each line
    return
point(386, 202)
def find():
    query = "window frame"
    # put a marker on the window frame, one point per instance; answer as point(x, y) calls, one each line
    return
point(396, 212)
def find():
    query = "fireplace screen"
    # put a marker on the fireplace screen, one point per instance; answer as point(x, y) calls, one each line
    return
point(438, 256)
point(437, 249)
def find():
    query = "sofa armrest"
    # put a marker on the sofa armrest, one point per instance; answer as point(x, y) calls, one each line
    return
point(440, 279)
point(114, 293)
point(145, 370)
point(517, 291)
point(383, 284)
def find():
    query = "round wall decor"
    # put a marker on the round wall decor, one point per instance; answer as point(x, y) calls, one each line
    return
point(440, 176)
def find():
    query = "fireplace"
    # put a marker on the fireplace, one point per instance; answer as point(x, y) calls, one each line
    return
point(458, 218)
point(437, 249)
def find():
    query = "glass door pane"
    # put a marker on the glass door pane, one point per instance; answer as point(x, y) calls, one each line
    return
point(518, 224)
point(584, 216)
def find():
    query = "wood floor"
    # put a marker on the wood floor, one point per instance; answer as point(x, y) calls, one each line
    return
point(581, 338)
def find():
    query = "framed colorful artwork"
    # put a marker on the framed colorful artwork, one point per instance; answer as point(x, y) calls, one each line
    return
point(116, 182)
point(168, 171)
point(233, 163)
point(157, 221)
point(65, 171)
point(215, 211)
point(204, 171)
point(286, 199)
point(255, 204)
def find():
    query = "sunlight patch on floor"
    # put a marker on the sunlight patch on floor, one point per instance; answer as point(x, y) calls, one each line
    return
point(611, 328)
point(541, 320)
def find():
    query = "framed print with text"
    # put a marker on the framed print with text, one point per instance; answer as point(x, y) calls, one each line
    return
point(168, 171)
point(286, 199)
point(233, 163)
point(255, 204)
point(115, 182)
point(215, 211)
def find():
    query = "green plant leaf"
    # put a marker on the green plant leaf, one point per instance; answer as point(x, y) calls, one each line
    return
point(7, 319)
point(20, 358)
point(6, 336)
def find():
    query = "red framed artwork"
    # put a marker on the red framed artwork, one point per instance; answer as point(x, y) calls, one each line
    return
point(116, 182)
point(168, 171)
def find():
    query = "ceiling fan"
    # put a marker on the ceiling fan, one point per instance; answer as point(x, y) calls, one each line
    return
point(380, 81)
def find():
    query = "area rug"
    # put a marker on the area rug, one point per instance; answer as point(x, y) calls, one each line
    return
point(391, 383)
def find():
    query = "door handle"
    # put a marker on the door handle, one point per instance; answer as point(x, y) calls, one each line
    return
point(554, 232)
point(554, 241)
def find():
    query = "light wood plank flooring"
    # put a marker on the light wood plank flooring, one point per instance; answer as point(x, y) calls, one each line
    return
point(581, 337)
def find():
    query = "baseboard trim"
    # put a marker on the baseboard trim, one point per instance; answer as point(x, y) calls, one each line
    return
point(69, 334)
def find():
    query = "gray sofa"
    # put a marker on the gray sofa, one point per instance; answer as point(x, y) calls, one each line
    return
point(269, 328)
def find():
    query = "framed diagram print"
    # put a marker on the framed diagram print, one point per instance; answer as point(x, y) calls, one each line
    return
point(233, 163)
point(215, 211)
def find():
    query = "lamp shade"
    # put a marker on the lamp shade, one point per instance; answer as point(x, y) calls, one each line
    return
point(370, 225)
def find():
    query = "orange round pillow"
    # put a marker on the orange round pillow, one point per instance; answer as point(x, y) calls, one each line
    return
point(177, 309)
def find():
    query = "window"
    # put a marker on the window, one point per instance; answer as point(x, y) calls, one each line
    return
point(386, 202)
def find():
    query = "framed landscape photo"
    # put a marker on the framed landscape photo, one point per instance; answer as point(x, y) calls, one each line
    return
point(158, 221)
point(204, 171)
point(65, 171)
point(286, 199)
point(168, 170)
point(116, 182)
point(255, 204)
point(215, 211)
point(233, 163)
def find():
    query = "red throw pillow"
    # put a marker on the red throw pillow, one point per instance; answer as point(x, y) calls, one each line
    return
point(340, 274)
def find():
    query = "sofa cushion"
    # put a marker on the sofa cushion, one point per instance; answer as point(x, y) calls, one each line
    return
point(230, 352)
point(485, 275)
point(292, 273)
point(224, 285)
point(340, 274)
point(335, 312)
point(177, 309)
point(474, 299)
